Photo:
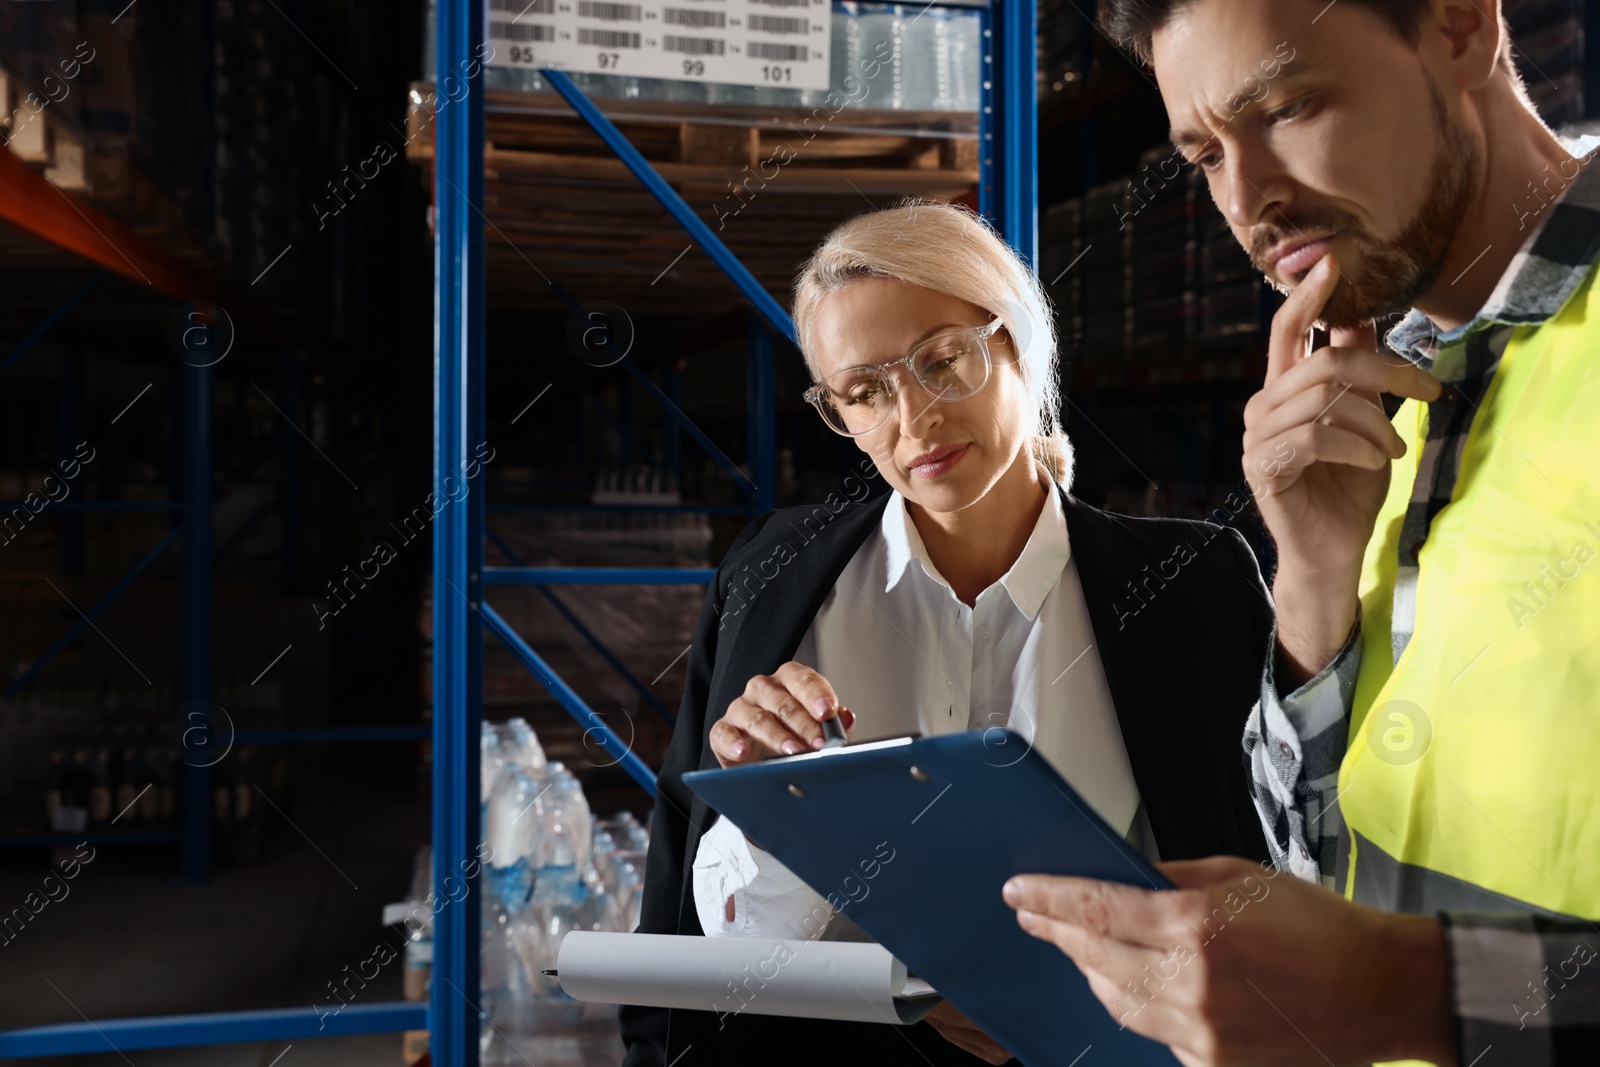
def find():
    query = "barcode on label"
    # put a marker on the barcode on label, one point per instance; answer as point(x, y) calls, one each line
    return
point(524, 7)
point(608, 38)
point(783, 3)
point(788, 53)
point(778, 24)
point(532, 31)
point(600, 9)
point(679, 16)
point(693, 46)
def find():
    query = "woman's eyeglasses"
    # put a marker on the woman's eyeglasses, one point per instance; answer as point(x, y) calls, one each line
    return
point(950, 366)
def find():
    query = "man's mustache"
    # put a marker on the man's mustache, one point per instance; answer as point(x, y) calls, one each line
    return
point(1301, 226)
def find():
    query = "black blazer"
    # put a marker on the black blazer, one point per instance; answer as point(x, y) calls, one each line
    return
point(1181, 621)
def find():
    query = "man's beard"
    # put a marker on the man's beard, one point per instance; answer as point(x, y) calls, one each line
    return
point(1394, 274)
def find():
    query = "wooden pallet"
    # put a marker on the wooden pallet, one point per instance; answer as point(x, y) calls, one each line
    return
point(770, 182)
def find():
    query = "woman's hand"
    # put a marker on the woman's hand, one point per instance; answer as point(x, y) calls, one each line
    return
point(963, 1033)
point(779, 714)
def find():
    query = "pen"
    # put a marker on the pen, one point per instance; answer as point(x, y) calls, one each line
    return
point(833, 735)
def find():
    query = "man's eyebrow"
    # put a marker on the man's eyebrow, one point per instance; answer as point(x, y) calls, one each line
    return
point(1185, 138)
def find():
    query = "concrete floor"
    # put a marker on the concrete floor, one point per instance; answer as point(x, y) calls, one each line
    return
point(125, 941)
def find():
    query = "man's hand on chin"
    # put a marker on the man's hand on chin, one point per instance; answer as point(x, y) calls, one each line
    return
point(1244, 966)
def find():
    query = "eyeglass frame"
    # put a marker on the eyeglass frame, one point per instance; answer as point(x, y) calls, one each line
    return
point(817, 391)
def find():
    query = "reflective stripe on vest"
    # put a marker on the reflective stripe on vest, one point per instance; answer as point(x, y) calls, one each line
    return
point(1473, 768)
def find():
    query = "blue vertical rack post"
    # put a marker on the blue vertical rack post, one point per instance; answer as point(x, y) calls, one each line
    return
point(1016, 125)
point(457, 539)
point(194, 786)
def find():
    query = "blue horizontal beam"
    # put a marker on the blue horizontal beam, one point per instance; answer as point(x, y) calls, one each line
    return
point(215, 1028)
point(97, 505)
point(598, 575)
point(627, 759)
point(584, 632)
point(333, 735)
point(623, 509)
point(130, 837)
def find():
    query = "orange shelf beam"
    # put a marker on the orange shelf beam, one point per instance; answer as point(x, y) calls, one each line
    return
point(31, 203)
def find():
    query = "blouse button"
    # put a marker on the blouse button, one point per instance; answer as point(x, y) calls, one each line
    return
point(1283, 747)
point(983, 633)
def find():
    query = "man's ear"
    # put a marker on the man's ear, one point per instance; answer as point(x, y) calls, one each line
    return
point(1474, 34)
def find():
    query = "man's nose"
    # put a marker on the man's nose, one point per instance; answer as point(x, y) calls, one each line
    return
point(1254, 186)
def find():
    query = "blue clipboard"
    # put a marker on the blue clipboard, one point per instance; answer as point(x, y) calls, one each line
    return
point(914, 838)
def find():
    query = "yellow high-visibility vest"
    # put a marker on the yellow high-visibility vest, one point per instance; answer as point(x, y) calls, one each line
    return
point(1472, 777)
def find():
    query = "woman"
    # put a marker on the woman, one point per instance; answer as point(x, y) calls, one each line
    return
point(977, 593)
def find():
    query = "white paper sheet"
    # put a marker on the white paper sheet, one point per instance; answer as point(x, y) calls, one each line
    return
point(846, 980)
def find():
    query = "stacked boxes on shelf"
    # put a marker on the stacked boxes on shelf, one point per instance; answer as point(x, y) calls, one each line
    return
point(1549, 47)
point(1060, 252)
point(1154, 268)
point(43, 61)
point(190, 153)
point(1106, 325)
point(85, 105)
point(1163, 213)
point(1062, 29)
point(261, 188)
point(1230, 286)
point(117, 107)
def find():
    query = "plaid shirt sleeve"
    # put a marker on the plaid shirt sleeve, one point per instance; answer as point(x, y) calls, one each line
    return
point(1526, 987)
point(1293, 745)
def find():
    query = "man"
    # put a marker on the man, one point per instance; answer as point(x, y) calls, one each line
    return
point(1429, 725)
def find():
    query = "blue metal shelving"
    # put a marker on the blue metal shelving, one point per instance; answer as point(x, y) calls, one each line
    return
point(1008, 194)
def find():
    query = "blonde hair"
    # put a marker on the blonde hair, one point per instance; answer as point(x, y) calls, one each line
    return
point(952, 250)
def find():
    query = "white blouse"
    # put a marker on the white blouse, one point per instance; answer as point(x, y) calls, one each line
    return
point(897, 645)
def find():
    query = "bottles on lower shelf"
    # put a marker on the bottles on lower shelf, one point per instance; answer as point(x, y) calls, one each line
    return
point(549, 868)
point(90, 788)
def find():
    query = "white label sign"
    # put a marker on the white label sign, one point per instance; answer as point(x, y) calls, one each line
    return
point(779, 43)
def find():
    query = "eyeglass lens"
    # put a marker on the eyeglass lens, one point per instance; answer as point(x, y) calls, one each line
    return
point(949, 368)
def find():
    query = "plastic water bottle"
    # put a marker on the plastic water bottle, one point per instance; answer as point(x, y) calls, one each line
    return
point(927, 36)
point(522, 744)
point(627, 885)
point(506, 997)
point(563, 898)
point(566, 837)
point(490, 762)
point(966, 61)
point(512, 744)
point(514, 830)
point(620, 833)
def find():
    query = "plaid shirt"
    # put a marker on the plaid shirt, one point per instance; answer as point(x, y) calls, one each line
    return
point(1502, 964)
